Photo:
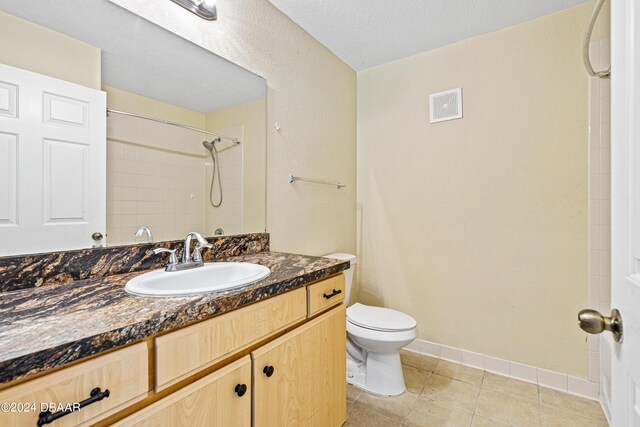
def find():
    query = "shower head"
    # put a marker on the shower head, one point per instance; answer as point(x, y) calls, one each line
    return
point(209, 145)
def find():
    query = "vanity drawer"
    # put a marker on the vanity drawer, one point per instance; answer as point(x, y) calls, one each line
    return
point(326, 293)
point(124, 373)
point(184, 352)
point(222, 398)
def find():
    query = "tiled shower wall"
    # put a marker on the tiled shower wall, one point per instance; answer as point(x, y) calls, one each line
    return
point(155, 178)
point(229, 216)
point(159, 176)
point(599, 201)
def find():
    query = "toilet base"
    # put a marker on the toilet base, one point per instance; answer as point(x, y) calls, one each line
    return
point(379, 374)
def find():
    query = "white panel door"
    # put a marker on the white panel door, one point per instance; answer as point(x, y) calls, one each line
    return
point(52, 163)
point(624, 401)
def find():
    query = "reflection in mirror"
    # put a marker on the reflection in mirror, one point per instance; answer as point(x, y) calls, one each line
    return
point(182, 149)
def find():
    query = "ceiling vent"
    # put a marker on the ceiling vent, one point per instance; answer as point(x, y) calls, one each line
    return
point(445, 105)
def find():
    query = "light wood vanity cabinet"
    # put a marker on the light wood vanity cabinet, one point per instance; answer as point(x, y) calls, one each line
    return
point(186, 351)
point(222, 398)
point(299, 378)
point(296, 379)
point(325, 294)
point(124, 373)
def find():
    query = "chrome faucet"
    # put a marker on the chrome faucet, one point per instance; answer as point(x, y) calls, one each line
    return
point(186, 253)
point(147, 231)
point(188, 260)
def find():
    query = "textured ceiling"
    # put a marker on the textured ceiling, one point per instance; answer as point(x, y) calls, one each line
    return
point(368, 33)
point(142, 58)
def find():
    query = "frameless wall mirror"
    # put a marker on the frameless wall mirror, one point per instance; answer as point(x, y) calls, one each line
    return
point(182, 148)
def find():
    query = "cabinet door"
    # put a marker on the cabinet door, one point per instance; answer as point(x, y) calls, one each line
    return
point(222, 399)
point(124, 373)
point(300, 378)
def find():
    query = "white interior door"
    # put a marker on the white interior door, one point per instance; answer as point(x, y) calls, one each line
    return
point(624, 399)
point(52, 163)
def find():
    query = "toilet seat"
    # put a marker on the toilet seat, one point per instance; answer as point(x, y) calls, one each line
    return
point(380, 337)
point(379, 318)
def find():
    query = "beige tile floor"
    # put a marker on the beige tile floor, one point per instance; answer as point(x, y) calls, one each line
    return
point(441, 393)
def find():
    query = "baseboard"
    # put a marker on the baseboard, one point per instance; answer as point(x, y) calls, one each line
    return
point(531, 374)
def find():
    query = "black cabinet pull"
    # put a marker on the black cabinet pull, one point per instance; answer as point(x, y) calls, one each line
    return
point(47, 417)
point(241, 389)
point(268, 370)
point(332, 294)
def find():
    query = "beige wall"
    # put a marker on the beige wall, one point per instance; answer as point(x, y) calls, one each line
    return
point(478, 227)
point(312, 95)
point(252, 117)
point(47, 52)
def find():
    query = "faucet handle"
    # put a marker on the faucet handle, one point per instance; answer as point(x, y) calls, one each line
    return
point(173, 259)
point(197, 257)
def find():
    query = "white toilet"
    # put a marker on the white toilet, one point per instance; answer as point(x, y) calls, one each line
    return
point(375, 336)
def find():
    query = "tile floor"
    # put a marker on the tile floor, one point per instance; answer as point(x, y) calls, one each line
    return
point(441, 393)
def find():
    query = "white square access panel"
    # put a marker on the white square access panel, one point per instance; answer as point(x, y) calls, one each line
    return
point(445, 105)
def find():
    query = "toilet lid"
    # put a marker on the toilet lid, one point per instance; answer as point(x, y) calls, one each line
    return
point(379, 318)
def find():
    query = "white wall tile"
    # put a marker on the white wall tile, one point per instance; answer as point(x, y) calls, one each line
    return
point(605, 161)
point(605, 289)
point(496, 366)
point(594, 160)
point(605, 263)
point(552, 380)
point(605, 212)
point(414, 346)
point(583, 388)
point(594, 288)
point(605, 187)
point(451, 354)
point(594, 366)
point(594, 211)
point(523, 372)
point(605, 237)
point(599, 205)
point(475, 360)
point(605, 135)
point(594, 186)
point(594, 236)
point(605, 110)
point(594, 263)
point(431, 349)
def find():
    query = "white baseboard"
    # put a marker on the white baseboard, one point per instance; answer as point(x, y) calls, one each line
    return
point(531, 374)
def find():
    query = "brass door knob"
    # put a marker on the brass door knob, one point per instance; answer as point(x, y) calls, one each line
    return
point(592, 322)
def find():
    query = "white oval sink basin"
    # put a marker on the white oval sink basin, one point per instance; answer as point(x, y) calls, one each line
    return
point(216, 276)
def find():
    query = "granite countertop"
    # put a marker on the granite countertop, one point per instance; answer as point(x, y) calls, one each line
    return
point(47, 327)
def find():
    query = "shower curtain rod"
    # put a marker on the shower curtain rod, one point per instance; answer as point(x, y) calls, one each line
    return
point(235, 141)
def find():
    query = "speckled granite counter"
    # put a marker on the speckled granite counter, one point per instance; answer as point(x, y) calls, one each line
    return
point(46, 327)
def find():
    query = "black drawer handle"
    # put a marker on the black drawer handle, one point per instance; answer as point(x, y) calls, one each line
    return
point(268, 370)
point(332, 294)
point(47, 417)
point(241, 389)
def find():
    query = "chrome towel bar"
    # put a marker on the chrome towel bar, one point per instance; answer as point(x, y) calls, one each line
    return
point(338, 184)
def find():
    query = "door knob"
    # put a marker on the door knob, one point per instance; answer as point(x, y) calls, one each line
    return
point(593, 322)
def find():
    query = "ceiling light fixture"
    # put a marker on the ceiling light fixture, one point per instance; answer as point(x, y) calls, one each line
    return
point(205, 9)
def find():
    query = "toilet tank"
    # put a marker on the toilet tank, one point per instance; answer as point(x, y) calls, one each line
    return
point(347, 273)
